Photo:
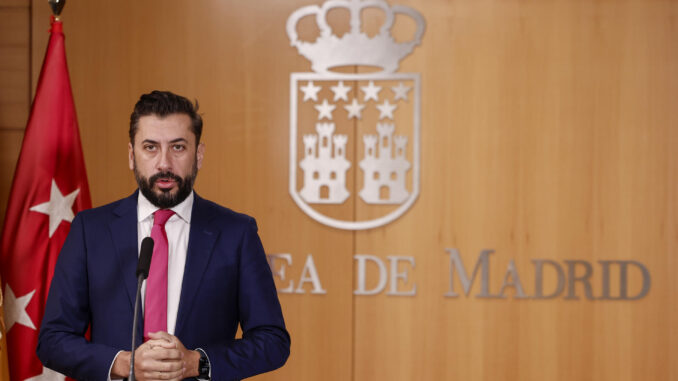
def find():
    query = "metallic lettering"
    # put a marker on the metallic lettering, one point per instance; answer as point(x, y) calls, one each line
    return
point(280, 273)
point(584, 279)
point(539, 279)
point(310, 274)
point(483, 263)
point(383, 277)
point(395, 275)
point(514, 281)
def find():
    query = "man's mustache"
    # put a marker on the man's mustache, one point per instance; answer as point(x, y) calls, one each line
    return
point(165, 175)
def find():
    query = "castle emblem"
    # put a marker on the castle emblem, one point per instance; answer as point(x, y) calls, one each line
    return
point(382, 169)
point(354, 134)
point(324, 168)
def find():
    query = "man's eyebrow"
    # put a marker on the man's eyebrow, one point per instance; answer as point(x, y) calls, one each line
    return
point(177, 140)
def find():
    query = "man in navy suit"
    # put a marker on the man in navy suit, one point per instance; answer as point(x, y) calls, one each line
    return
point(217, 273)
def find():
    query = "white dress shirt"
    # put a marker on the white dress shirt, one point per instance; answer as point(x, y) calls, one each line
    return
point(177, 227)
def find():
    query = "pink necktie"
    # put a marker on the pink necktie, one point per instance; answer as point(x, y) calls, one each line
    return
point(155, 310)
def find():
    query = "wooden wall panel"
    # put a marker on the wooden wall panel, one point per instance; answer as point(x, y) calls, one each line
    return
point(548, 132)
point(14, 68)
point(10, 145)
point(538, 125)
point(14, 89)
point(15, 4)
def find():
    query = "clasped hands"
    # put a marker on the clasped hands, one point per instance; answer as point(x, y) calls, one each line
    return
point(163, 357)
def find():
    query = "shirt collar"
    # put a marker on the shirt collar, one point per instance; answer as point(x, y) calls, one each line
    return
point(145, 208)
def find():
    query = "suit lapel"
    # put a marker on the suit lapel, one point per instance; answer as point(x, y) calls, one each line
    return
point(124, 232)
point(200, 246)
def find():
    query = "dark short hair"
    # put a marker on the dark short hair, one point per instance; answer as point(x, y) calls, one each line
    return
point(162, 104)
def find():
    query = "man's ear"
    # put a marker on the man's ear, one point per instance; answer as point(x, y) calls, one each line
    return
point(199, 155)
point(130, 154)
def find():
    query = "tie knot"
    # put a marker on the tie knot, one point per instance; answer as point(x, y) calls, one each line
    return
point(161, 216)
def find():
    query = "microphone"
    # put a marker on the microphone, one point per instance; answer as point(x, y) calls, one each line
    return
point(143, 266)
point(145, 255)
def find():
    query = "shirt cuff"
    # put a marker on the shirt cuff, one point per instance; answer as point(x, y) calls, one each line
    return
point(111, 368)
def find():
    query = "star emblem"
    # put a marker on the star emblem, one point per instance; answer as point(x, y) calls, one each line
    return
point(15, 309)
point(371, 91)
point(47, 375)
point(340, 91)
point(386, 110)
point(354, 109)
point(400, 91)
point(58, 208)
point(325, 110)
point(310, 91)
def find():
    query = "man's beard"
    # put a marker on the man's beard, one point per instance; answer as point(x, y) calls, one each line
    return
point(166, 199)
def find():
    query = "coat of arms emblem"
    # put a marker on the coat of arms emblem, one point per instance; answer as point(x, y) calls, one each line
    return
point(354, 130)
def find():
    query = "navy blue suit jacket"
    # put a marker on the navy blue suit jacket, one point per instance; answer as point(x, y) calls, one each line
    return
point(227, 281)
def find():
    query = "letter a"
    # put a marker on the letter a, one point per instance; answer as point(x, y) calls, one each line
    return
point(310, 274)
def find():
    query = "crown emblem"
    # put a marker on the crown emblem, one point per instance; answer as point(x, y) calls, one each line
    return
point(355, 138)
point(354, 47)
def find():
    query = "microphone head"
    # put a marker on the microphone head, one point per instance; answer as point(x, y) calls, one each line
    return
point(145, 254)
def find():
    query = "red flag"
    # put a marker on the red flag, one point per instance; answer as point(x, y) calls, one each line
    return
point(50, 186)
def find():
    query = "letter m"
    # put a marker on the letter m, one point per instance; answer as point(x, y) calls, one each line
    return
point(483, 263)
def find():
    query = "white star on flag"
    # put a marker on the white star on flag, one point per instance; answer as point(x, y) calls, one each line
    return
point(15, 309)
point(400, 91)
point(325, 110)
point(340, 91)
point(47, 375)
point(386, 110)
point(354, 109)
point(58, 208)
point(371, 91)
point(310, 91)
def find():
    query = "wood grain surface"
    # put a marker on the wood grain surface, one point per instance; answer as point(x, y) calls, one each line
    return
point(549, 131)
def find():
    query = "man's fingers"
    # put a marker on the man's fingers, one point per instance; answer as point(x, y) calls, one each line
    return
point(161, 354)
point(166, 354)
point(160, 343)
point(160, 335)
point(176, 375)
point(158, 359)
point(162, 357)
point(158, 366)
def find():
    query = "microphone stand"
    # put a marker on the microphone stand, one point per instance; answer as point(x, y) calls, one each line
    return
point(143, 266)
point(140, 279)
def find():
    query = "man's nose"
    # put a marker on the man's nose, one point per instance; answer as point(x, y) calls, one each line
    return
point(165, 160)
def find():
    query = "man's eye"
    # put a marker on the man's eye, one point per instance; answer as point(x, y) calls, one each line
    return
point(150, 148)
point(178, 147)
